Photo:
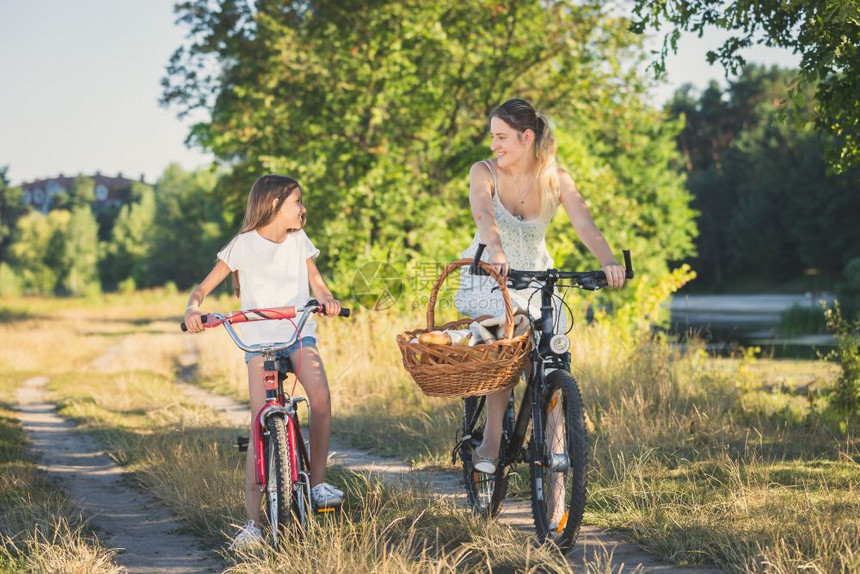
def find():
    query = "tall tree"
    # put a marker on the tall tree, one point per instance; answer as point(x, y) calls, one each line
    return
point(825, 33)
point(379, 108)
point(768, 205)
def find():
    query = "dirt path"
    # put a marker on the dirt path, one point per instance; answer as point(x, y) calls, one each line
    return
point(594, 545)
point(151, 541)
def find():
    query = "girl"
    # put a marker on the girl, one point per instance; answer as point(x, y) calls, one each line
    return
point(513, 198)
point(272, 262)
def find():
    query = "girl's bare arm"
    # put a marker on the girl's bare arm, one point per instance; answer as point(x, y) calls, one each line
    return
point(321, 290)
point(212, 280)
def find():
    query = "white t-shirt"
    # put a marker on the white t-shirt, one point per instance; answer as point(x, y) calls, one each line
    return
point(271, 275)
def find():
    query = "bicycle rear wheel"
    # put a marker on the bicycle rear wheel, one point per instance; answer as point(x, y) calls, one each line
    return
point(485, 492)
point(279, 484)
point(559, 460)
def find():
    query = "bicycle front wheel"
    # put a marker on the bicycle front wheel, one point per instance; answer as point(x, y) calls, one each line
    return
point(559, 459)
point(279, 484)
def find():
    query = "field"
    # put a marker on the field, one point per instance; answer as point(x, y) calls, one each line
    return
point(726, 462)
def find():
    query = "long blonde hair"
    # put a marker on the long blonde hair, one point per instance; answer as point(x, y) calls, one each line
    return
point(522, 116)
point(265, 199)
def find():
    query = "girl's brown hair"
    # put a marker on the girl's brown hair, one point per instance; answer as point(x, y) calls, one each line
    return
point(522, 116)
point(265, 199)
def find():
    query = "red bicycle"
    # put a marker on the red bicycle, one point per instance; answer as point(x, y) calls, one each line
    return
point(281, 461)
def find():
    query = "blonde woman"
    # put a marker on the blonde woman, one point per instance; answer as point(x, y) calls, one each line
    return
point(513, 197)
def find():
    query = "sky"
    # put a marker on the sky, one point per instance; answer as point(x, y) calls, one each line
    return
point(80, 83)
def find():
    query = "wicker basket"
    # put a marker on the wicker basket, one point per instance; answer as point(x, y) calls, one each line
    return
point(461, 370)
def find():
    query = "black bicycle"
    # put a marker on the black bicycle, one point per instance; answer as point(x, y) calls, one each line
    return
point(550, 417)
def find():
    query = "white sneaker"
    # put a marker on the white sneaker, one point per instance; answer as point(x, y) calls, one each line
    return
point(332, 489)
point(323, 495)
point(248, 535)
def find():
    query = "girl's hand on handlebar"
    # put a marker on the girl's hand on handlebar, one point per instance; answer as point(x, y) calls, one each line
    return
point(614, 274)
point(192, 320)
point(332, 306)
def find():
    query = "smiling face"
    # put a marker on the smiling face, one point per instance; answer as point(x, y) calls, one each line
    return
point(291, 214)
point(509, 145)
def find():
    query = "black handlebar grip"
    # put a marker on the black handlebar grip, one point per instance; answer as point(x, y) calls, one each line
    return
point(344, 312)
point(184, 327)
point(474, 269)
point(628, 264)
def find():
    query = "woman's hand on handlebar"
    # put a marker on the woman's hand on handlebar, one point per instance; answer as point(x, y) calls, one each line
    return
point(500, 262)
point(615, 274)
point(331, 306)
point(193, 322)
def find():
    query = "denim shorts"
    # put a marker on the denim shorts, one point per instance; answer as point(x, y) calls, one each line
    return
point(305, 342)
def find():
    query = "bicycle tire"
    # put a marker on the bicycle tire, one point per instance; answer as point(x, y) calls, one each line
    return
point(566, 469)
point(485, 493)
point(279, 485)
point(301, 503)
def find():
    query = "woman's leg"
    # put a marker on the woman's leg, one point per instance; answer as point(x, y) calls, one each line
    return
point(496, 405)
point(257, 394)
point(312, 377)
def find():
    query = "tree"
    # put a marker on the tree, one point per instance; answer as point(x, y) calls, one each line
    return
point(127, 252)
point(187, 231)
point(826, 34)
point(769, 207)
point(33, 253)
point(79, 254)
point(12, 207)
point(379, 108)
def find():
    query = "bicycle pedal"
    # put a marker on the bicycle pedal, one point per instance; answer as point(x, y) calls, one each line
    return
point(242, 443)
point(331, 510)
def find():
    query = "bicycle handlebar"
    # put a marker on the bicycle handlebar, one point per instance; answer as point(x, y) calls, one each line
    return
point(520, 279)
point(212, 320)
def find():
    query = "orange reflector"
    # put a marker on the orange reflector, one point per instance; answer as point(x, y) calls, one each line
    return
point(561, 523)
point(326, 509)
point(552, 404)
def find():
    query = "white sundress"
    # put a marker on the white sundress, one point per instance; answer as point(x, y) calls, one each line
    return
point(524, 244)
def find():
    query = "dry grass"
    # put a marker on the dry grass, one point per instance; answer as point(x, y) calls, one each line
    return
point(41, 530)
point(701, 460)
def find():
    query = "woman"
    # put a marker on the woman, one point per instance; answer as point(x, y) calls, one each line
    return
point(513, 198)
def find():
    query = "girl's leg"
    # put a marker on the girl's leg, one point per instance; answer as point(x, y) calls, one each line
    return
point(312, 377)
point(257, 394)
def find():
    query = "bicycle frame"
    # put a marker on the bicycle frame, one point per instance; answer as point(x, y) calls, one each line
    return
point(542, 356)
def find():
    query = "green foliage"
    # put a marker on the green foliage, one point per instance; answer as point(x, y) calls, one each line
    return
point(29, 253)
point(187, 231)
point(10, 285)
point(12, 207)
point(380, 108)
point(824, 33)
point(848, 290)
point(57, 253)
point(845, 396)
point(800, 320)
point(769, 207)
point(80, 254)
point(126, 254)
point(80, 194)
